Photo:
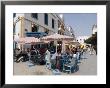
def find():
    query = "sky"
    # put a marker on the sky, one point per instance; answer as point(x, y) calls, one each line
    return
point(81, 22)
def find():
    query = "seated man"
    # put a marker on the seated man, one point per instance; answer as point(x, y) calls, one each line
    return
point(47, 58)
point(53, 60)
point(58, 57)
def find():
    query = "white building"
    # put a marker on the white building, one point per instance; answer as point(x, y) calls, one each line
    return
point(48, 23)
point(35, 22)
point(61, 16)
point(94, 29)
point(81, 39)
point(69, 31)
point(38, 22)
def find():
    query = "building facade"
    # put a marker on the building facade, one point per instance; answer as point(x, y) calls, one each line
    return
point(39, 25)
point(35, 22)
point(48, 23)
point(69, 31)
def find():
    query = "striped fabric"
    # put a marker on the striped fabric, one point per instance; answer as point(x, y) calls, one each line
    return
point(57, 37)
point(29, 40)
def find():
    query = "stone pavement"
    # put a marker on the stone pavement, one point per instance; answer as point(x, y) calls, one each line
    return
point(87, 66)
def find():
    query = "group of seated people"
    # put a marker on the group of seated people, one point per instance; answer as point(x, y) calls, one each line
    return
point(25, 53)
point(59, 59)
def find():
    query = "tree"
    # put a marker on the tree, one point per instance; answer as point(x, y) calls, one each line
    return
point(93, 41)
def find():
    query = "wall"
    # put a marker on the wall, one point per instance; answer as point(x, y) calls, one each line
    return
point(28, 20)
point(40, 21)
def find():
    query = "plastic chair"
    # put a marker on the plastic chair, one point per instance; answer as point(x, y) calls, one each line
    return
point(67, 67)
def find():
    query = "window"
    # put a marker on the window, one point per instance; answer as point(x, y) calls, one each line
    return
point(14, 15)
point(34, 15)
point(35, 28)
point(46, 18)
point(52, 23)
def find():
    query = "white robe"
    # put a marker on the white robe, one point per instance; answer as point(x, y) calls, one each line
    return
point(47, 57)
